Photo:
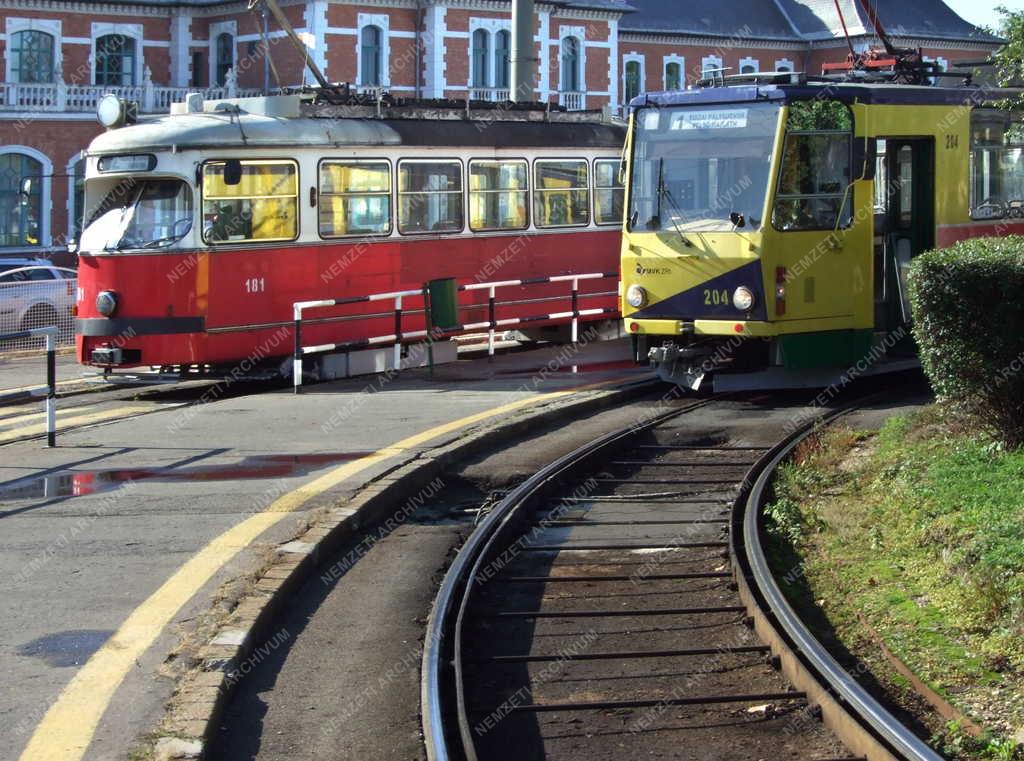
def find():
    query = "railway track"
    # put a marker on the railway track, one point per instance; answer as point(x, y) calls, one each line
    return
point(618, 605)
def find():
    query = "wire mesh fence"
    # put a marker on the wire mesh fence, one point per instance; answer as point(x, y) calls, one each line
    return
point(36, 296)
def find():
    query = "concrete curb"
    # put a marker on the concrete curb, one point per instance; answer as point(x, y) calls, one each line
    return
point(247, 637)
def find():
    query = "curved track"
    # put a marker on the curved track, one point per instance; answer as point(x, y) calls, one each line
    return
point(618, 605)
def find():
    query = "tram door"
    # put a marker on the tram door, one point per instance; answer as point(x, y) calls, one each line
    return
point(904, 221)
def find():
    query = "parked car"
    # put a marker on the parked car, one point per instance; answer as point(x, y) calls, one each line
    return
point(34, 294)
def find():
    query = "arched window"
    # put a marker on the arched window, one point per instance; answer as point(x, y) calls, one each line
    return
point(32, 53)
point(502, 58)
point(225, 57)
point(570, 65)
point(481, 54)
point(632, 80)
point(749, 66)
point(115, 60)
point(370, 52)
point(21, 186)
point(673, 76)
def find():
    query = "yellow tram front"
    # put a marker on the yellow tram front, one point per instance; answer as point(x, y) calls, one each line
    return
point(769, 227)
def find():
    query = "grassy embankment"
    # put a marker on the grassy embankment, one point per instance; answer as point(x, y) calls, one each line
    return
point(914, 537)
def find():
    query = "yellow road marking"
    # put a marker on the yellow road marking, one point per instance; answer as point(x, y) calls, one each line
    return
point(39, 428)
point(37, 409)
point(67, 729)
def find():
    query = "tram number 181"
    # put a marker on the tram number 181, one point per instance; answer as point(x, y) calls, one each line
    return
point(716, 297)
point(255, 285)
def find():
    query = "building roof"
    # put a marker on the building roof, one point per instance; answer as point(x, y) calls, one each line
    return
point(930, 19)
point(733, 18)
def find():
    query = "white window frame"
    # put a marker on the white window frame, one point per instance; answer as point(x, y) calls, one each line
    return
point(748, 61)
point(50, 26)
point(665, 61)
point(580, 33)
point(492, 26)
point(45, 192)
point(383, 22)
point(779, 62)
point(710, 62)
point(641, 59)
point(216, 30)
point(128, 30)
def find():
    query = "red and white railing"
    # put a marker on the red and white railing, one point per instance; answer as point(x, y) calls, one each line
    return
point(491, 324)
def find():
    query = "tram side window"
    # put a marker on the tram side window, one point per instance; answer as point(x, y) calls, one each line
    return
point(263, 206)
point(814, 190)
point(561, 194)
point(609, 195)
point(997, 164)
point(429, 197)
point(497, 195)
point(355, 198)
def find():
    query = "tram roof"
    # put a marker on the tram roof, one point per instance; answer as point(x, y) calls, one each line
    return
point(244, 130)
point(872, 94)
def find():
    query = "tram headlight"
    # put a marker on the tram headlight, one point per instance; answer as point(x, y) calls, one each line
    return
point(113, 112)
point(636, 296)
point(743, 299)
point(106, 303)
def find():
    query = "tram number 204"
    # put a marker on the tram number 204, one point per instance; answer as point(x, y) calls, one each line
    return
point(715, 297)
point(255, 285)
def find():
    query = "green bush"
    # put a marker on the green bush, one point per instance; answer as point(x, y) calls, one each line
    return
point(968, 303)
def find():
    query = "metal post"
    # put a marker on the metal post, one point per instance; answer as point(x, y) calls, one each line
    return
point(51, 387)
point(398, 333)
point(521, 57)
point(491, 319)
point(297, 355)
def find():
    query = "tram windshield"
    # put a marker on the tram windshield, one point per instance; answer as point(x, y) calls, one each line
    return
point(702, 168)
point(140, 214)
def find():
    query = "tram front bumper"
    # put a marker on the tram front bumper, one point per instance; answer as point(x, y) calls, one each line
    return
point(745, 328)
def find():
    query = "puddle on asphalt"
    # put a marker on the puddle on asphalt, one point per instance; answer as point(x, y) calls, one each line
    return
point(78, 483)
point(65, 649)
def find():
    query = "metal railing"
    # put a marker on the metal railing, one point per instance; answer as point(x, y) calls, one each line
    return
point(37, 296)
point(50, 335)
point(398, 337)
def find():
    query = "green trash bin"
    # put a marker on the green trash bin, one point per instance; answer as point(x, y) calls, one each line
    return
point(444, 303)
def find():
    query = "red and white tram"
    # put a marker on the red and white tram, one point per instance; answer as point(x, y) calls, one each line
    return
point(205, 226)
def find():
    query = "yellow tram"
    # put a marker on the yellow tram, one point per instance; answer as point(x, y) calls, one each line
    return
point(769, 226)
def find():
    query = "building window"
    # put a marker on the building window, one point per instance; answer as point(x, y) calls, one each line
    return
point(355, 198)
point(673, 76)
point(481, 54)
point(21, 185)
point(115, 60)
point(225, 57)
point(632, 80)
point(502, 59)
point(198, 69)
point(784, 65)
point(749, 66)
point(570, 65)
point(561, 193)
point(32, 53)
point(429, 197)
point(262, 205)
point(710, 65)
point(370, 51)
point(497, 195)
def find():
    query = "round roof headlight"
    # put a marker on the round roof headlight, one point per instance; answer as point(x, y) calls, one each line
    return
point(743, 299)
point(636, 296)
point(110, 111)
point(106, 303)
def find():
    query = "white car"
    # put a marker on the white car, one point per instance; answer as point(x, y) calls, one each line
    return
point(35, 294)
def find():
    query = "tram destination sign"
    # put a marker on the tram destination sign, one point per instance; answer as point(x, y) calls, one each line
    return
point(730, 118)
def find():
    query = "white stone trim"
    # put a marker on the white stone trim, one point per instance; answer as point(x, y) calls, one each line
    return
point(631, 57)
point(216, 30)
point(50, 26)
point(180, 54)
point(315, 17)
point(710, 62)
point(69, 170)
point(434, 33)
point(613, 62)
point(492, 26)
point(103, 28)
point(383, 22)
point(779, 62)
point(45, 193)
point(580, 33)
point(756, 63)
point(673, 58)
point(544, 69)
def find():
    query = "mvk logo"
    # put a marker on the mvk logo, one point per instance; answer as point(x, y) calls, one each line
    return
point(642, 270)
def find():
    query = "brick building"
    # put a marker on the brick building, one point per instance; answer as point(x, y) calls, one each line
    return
point(60, 57)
